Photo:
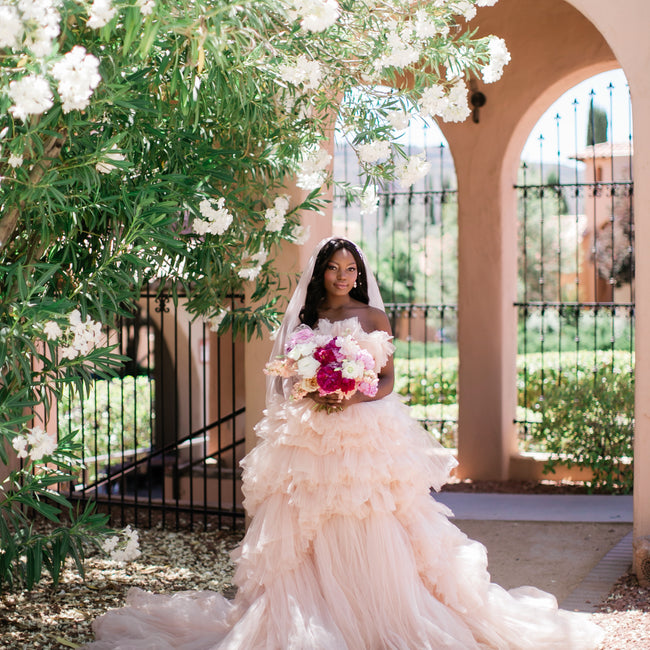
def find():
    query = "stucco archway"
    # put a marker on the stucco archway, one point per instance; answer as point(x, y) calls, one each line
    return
point(553, 47)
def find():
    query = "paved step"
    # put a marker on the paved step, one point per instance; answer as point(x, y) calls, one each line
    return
point(597, 508)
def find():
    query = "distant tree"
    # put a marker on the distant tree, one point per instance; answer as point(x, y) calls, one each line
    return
point(596, 125)
point(552, 180)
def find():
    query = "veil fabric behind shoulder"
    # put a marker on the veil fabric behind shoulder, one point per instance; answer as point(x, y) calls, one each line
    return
point(277, 388)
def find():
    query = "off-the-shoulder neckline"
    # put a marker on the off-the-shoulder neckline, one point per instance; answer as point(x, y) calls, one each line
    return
point(351, 318)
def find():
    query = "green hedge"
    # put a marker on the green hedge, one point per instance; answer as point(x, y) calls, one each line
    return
point(113, 415)
point(578, 407)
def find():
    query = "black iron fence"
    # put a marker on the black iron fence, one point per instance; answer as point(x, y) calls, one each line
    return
point(161, 442)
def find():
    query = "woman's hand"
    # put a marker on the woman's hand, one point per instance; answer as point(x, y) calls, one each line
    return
point(329, 403)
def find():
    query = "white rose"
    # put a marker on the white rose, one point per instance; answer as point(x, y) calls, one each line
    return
point(307, 367)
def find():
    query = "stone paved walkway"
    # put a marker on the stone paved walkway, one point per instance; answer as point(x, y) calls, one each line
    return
point(607, 562)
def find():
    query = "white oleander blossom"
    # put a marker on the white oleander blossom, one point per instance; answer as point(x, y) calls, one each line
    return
point(19, 443)
point(104, 167)
point(11, 27)
point(426, 27)
point(41, 20)
point(31, 95)
point(317, 15)
point(304, 72)
point(313, 170)
point(79, 338)
point(399, 120)
point(400, 52)
point(457, 108)
point(300, 234)
point(371, 152)
point(486, 3)
point(15, 160)
point(52, 330)
point(459, 60)
point(251, 272)
point(100, 14)
point(40, 444)
point(215, 321)
point(433, 101)
point(87, 334)
point(216, 222)
point(412, 170)
point(369, 201)
point(146, 7)
point(275, 216)
point(499, 57)
point(463, 8)
point(123, 550)
point(78, 76)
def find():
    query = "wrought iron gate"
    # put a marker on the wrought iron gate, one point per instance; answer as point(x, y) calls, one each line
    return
point(162, 441)
point(576, 274)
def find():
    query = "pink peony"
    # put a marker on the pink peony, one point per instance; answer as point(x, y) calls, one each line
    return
point(368, 388)
point(330, 380)
point(329, 353)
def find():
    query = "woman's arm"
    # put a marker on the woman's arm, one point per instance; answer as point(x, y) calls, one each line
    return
point(378, 321)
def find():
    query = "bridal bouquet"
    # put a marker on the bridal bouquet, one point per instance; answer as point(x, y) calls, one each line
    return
point(325, 364)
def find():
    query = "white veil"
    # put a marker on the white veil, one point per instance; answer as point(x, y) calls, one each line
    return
point(278, 388)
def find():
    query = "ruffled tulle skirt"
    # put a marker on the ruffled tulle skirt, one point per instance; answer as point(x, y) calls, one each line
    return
point(346, 549)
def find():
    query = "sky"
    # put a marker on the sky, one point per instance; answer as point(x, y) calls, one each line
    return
point(573, 118)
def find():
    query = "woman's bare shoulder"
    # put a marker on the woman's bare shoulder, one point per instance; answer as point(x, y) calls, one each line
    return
point(372, 318)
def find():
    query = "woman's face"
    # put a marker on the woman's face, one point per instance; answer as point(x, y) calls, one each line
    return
point(340, 273)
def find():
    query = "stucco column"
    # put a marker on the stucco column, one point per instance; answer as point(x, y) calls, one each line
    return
point(642, 339)
point(486, 319)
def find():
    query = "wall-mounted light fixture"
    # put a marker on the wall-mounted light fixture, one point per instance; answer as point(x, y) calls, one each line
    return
point(477, 100)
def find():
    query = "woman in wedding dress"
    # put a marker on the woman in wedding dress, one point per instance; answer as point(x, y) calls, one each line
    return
point(346, 548)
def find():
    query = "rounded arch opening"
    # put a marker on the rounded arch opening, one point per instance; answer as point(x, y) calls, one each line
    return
point(575, 293)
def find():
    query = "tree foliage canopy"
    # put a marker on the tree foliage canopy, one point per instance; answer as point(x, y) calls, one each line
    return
point(151, 140)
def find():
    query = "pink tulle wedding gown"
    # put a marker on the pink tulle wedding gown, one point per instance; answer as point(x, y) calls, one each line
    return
point(348, 550)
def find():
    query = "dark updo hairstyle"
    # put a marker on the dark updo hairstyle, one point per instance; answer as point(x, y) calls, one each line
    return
point(316, 293)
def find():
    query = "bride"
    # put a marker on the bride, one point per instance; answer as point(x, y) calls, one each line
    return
point(346, 548)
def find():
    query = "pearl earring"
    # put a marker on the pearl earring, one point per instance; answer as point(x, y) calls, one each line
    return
point(355, 284)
